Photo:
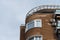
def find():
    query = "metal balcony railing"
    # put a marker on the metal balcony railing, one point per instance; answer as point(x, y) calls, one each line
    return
point(56, 7)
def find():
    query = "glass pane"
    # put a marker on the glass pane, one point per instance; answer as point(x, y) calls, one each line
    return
point(57, 12)
point(31, 25)
point(40, 38)
point(38, 23)
point(36, 38)
point(58, 23)
point(31, 38)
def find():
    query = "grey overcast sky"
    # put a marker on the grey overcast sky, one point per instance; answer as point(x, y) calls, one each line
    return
point(12, 14)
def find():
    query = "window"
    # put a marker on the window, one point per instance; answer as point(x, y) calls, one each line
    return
point(31, 38)
point(57, 12)
point(58, 23)
point(34, 23)
point(38, 23)
point(29, 25)
point(36, 38)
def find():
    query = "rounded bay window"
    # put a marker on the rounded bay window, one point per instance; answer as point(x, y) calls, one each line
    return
point(34, 23)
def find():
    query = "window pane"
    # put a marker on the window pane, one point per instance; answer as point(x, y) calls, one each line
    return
point(36, 38)
point(31, 38)
point(57, 12)
point(30, 25)
point(58, 23)
point(38, 23)
point(40, 38)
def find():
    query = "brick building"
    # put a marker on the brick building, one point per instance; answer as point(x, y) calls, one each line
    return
point(42, 23)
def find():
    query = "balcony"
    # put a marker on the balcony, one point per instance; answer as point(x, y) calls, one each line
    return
point(43, 8)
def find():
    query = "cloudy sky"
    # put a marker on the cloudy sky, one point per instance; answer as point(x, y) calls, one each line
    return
point(12, 14)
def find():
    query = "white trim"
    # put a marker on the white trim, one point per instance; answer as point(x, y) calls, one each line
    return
point(57, 7)
point(40, 22)
point(35, 23)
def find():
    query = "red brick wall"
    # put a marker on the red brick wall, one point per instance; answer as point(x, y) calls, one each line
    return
point(47, 31)
point(22, 33)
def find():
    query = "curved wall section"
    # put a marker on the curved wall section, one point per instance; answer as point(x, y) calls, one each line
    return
point(46, 28)
point(39, 16)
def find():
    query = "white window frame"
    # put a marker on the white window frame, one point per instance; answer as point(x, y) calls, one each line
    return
point(58, 27)
point(35, 24)
point(58, 23)
point(35, 37)
point(27, 25)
